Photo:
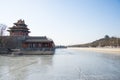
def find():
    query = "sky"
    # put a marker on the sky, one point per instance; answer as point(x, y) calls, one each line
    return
point(67, 22)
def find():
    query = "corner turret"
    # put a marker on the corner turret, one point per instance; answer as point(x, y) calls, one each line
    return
point(19, 29)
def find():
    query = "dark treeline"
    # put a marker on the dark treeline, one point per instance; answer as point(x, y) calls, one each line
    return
point(60, 46)
point(103, 42)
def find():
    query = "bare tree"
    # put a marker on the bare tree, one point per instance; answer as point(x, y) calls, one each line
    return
point(2, 29)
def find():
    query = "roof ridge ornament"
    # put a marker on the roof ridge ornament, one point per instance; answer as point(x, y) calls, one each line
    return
point(20, 21)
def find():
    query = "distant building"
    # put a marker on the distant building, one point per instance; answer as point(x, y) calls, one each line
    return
point(19, 38)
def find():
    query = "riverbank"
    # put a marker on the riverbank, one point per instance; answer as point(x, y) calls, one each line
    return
point(103, 50)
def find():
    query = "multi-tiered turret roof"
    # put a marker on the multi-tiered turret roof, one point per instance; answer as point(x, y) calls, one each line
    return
point(19, 29)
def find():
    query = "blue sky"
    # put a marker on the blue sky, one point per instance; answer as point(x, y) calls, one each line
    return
point(65, 21)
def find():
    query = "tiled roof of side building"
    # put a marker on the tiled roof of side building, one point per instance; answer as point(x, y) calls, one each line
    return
point(38, 39)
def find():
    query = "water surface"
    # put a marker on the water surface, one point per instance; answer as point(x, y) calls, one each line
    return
point(66, 64)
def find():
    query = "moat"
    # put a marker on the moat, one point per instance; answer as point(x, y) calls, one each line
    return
point(66, 64)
